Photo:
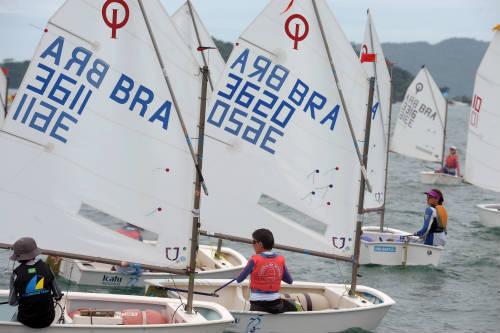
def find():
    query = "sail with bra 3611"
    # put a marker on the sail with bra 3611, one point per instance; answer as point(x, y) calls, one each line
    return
point(94, 123)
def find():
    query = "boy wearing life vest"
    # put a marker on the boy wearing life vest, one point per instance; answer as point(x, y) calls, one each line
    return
point(451, 163)
point(435, 221)
point(32, 286)
point(266, 270)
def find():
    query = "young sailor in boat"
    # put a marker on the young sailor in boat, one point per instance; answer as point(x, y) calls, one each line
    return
point(32, 286)
point(266, 270)
point(433, 231)
point(451, 164)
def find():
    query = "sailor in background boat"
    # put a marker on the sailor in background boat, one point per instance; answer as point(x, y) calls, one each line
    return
point(32, 286)
point(132, 269)
point(131, 231)
point(433, 231)
point(451, 164)
point(266, 270)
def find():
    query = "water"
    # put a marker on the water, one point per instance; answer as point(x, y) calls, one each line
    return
point(461, 295)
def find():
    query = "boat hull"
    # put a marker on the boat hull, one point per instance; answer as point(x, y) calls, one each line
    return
point(102, 275)
point(337, 313)
point(217, 319)
point(431, 178)
point(389, 248)
point(489, 215)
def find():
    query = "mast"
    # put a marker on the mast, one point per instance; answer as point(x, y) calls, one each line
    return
point(332, 65)
point(174, 100)
point(444, 132)
point(198, 38)
point(437, 110)
point(359, 223)
point(197, 189)
point(382, 212)
point(6, 95)
point(277, 246)
point(99, 259)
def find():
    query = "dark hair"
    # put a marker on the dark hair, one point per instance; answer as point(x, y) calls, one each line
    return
point(264, 236)
point(24, 261)
point(441, 197)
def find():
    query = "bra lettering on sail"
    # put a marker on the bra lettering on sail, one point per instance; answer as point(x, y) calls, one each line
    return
point(59, 93)
point(250, 105)
point(114, 24)
point(296, 36)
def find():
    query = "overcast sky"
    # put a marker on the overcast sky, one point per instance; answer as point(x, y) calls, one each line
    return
point(21, 21)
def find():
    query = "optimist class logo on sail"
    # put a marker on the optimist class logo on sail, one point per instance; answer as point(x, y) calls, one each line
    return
point(63, 81)
point(259, 99)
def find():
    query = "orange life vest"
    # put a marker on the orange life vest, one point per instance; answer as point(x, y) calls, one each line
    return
point(451, 161)
point(267, 273)
point(442, 216)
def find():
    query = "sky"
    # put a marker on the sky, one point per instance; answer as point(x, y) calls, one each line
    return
point(22, 21)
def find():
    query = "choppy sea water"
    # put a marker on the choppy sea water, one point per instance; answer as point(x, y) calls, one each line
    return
point(461, 295)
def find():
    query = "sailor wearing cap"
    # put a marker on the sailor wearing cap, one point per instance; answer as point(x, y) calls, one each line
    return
point(451, 165)
point(32, 286)
point(433, 231)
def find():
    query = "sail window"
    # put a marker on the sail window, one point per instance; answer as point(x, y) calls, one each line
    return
point(115, 224)
point(292, 214)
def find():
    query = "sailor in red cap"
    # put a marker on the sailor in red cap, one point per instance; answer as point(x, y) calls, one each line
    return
point(433, 231)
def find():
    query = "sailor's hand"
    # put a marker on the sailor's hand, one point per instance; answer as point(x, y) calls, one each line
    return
point(60, 297)
point(124, 264)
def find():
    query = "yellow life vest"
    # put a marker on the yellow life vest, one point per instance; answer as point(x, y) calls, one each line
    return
point(442, 216)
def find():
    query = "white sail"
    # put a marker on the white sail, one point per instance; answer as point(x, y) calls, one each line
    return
point(483, 143)
point(419, 130)
point(377, 166)
point(3, 96)
point(93, 123)
point(185, 23)
point(278, 134)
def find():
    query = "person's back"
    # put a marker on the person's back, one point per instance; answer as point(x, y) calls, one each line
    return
point(32, 287)
point(266, 270)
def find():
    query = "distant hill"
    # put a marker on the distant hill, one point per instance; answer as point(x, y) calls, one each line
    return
point(453, 62)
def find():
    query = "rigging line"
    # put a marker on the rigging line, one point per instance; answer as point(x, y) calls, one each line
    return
point(433, 97)
point(257, 46)
point(174, 99)
point(342, 100)
point(205, 62)
point(24, 139)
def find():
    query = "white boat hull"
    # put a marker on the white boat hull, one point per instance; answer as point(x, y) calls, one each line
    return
point(333, 310)
point(389, 248)
point(489, 215)
point(217, 319)
point(94, 274)
point(431, 178)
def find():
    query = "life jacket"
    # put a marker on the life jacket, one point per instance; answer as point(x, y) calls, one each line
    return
point(132, 233)
point(440, 222)
point(451, 162)
point(33, 286)
point(442, 216)
point(267, 273)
